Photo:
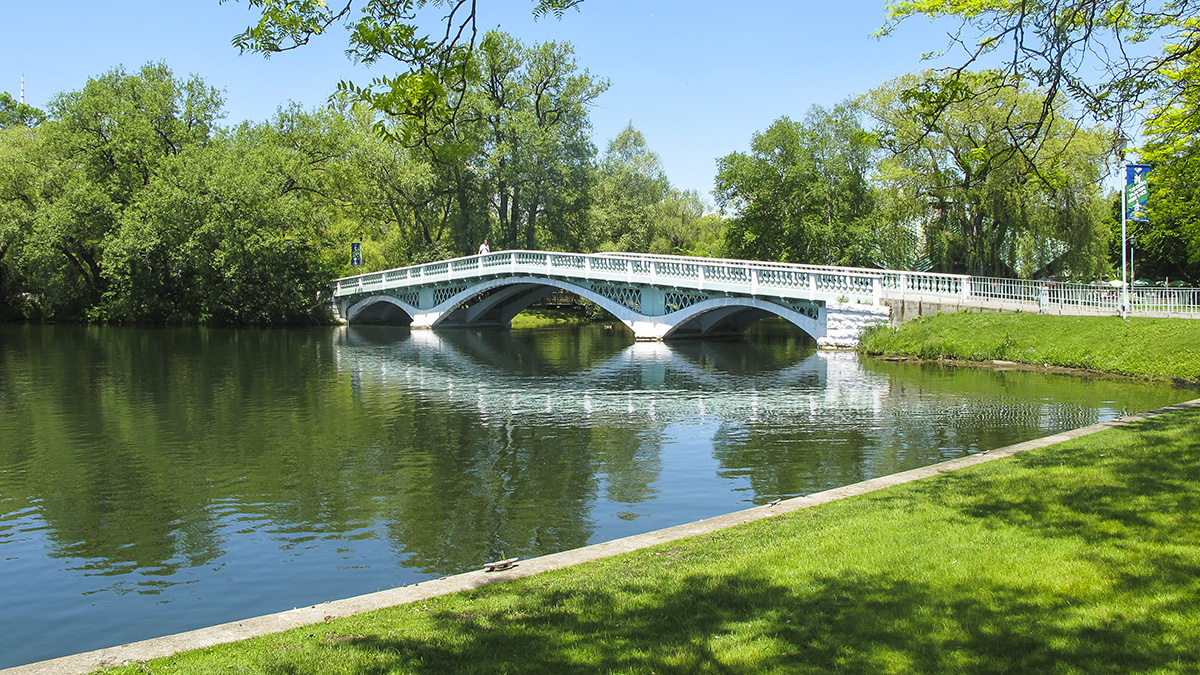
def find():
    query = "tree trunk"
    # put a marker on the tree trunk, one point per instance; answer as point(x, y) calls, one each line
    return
point(514, 219)
point(502, 212)
point(531, 224)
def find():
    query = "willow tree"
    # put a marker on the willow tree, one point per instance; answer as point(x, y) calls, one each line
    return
point(99, 148)
point(991, 199)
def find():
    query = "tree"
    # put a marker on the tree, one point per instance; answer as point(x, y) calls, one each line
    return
point(100, 147)
point(128, 204)
point(630, 186)
point(986, 201)
point(230, 232)
point(20, 167)
point(437, 68)
point(512, 164)
point(1059, 46)
point(13, 113)
point(1169, 243)
point(685, 225)
point(802, 194)
point(531, 104)
point(394, 199)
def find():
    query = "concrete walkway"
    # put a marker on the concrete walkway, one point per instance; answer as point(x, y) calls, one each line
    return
point(274, 623)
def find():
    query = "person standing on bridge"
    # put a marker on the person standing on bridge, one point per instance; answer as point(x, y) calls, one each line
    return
point(483, 248)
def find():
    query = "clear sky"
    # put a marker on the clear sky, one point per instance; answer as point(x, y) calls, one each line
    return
point(696, 77)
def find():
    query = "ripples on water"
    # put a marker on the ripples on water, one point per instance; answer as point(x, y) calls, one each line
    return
point(180, 478)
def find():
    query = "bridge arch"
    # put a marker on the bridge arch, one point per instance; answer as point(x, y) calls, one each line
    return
point(516, 295)
point(733, 315)
point(719, 316)
point(381, 309)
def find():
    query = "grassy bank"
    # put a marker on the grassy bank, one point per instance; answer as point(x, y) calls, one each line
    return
point(1083, 557)
point(1152, 348)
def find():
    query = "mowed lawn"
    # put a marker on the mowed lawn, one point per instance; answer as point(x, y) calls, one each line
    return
point(1082, 557)
point(1140, 347)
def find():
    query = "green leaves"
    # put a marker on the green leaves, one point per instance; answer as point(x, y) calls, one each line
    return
point(802, 194)
point(631, 184)
point(226, 236)
point(1168, 246)
point(993, 185)
point(435, 70)
point(1077, 47)
point(14, 114)
point(128, 205)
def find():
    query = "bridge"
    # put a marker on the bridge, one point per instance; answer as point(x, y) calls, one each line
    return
point(662, 297)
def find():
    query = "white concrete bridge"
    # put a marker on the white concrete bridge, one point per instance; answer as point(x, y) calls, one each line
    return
point(661, 297)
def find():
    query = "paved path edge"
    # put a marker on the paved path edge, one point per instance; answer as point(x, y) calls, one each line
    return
point(234, 631)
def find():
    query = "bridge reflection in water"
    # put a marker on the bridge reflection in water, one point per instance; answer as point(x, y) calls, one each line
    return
point(816, 419)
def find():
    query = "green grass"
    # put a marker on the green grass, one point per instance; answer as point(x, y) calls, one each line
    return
point(549, 318)
point(1083, 557)
point(1150, 348)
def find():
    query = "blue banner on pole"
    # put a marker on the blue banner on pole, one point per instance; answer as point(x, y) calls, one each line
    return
point(1137, 191)
point(356, 253)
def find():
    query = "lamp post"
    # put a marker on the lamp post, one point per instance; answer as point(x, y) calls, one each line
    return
point(1124, 240)
point(1122, 142)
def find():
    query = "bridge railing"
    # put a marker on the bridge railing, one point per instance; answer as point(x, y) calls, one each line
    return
point(850, 283)
point(889, 280)
point(702, 273)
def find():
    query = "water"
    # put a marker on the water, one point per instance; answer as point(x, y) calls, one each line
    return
point(154, 481)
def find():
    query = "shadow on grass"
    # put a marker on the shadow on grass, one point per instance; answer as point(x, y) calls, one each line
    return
point(857, 623)
point(1141, 482)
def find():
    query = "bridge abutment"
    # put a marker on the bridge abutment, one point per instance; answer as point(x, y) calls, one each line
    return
point(844, 323)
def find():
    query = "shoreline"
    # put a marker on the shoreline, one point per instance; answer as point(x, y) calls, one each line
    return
point(999, 365)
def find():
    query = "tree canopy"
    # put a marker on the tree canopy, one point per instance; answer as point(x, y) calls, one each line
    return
point(802, 193)
point(1103, 54)
point(129, 204)
point(15, 113)
point(436, 65)
point(1169, 243)
point(990, 202)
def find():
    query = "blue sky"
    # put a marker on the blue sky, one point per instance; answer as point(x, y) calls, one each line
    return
point(696, 77)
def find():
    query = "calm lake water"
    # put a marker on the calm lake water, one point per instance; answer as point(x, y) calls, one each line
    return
point(154, 481)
